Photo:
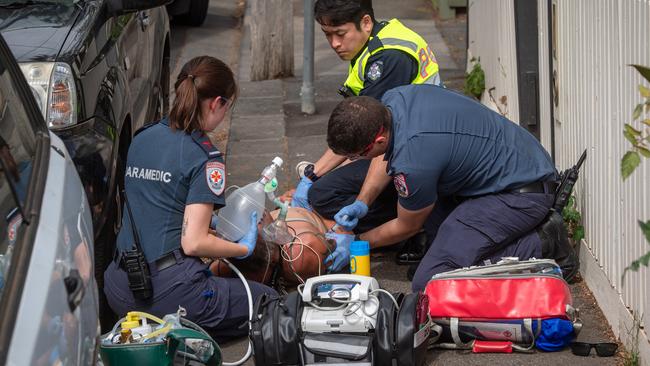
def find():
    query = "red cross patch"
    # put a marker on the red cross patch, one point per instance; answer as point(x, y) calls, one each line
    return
point(215, 174)
point(400, 185)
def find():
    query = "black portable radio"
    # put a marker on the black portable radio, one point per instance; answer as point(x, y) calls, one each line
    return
point(135, 264)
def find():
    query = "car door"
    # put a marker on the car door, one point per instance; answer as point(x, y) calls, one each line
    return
point(155, 24)
point(135, 41)
point(48, 296)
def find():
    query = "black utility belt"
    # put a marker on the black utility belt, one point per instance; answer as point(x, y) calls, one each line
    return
point(164, 262)
point(548, 187)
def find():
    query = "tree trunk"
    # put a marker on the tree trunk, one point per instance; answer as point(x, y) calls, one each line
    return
point(271, 39)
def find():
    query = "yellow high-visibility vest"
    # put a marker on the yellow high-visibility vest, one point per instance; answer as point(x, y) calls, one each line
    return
point(395, 36)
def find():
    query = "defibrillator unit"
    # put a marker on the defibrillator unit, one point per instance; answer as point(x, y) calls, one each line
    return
point(341, 319)
point(339, 304)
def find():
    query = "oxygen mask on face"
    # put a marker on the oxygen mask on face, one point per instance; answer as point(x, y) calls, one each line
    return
point(278, 231)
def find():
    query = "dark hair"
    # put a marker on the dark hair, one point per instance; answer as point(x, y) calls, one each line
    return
point(200, 78)
point(339, 12)
point(354, 123)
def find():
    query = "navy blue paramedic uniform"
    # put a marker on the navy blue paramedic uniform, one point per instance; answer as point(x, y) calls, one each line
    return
point(340, 187)
point(473, 164)
point(167, 170)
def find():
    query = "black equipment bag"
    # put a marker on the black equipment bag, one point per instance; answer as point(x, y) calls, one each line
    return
point(275, 329)
point(336, 348)
point(412, 329)
point(400, 336)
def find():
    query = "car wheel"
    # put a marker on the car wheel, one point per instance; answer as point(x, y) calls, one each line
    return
point(196, 16)
point(105, 246)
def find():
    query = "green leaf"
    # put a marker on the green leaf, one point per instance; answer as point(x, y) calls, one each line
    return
point(644, 71)
point(637, 111)
point(645, 227)
point(645, 92)
point(646, 121)
point(632, 130)
point(631, 138)
point(475, 82)
point(645, 152)
point(579, 234)
point(630, 161)
point(634, 266)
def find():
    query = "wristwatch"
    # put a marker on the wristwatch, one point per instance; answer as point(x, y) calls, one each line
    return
point(309, 173)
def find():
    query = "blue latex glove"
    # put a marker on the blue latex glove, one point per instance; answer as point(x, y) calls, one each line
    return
point(299, 198)
point(213, 221)
point(348, 217)
point(250, 238)
point(340, 257)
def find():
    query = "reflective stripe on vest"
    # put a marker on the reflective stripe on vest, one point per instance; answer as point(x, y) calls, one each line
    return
point(396, 36)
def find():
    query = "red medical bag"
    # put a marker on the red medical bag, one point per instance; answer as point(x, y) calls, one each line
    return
point(506, 301)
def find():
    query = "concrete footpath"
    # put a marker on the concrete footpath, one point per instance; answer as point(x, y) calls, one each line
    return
point(267, 122)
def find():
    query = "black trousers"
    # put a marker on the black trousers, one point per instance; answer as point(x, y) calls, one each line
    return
point(340, 187)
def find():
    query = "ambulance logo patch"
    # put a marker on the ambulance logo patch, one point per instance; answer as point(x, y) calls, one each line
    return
point(400, 185)
point(374, 72)
point(215, 174)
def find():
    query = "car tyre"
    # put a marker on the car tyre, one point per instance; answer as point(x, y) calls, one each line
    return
point(197, 14)
point(105, 247)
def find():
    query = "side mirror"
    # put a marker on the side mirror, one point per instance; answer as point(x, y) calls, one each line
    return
point(120, 7)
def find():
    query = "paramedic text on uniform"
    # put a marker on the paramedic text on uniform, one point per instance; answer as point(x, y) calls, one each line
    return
point(478, 183)
point(174, 180)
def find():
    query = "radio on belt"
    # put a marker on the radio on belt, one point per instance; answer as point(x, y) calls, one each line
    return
point(340, 303)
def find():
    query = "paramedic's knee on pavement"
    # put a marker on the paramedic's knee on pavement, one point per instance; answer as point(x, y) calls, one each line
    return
point(494, 180)
point(382, 55)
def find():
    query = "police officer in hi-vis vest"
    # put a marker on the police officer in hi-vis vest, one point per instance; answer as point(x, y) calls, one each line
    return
point(382, 55)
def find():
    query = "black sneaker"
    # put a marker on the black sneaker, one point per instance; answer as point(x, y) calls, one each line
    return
point(413, 249)
point(556, 245)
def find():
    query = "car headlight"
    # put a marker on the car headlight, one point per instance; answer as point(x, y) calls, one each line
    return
point(54, 89)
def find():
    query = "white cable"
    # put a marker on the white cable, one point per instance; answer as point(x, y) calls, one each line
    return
point(287, 257)
point(389, 295)
point(249, 352)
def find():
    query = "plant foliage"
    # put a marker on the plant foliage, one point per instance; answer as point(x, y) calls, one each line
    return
point(475, 80)
point(638, 134)
point(573, 221)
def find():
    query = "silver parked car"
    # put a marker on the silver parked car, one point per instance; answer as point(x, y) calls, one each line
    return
point(48, 294)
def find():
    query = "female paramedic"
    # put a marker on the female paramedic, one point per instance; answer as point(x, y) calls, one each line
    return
point(174, 179)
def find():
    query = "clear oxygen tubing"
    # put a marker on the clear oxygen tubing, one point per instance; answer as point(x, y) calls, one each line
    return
point(249, 351)
point(283, 206)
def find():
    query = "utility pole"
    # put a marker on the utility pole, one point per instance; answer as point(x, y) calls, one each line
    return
point(271, 39)
point(307, 89)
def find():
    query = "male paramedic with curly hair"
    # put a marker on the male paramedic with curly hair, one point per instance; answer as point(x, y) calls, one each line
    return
point(479, 184)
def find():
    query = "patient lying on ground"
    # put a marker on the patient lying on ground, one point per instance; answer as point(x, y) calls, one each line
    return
point(290, 263)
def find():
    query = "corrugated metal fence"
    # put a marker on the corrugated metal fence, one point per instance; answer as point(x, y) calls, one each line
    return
point(596, 40)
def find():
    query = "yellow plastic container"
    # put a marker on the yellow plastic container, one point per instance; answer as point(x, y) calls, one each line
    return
point(360, 258)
